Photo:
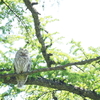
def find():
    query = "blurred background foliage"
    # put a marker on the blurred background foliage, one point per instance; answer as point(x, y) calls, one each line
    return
point(17, 30)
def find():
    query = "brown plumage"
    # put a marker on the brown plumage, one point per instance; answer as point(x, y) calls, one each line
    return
point(22, 64)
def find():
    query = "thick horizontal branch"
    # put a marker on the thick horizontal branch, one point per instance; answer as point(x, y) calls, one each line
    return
point(60, 85)
point(53, 68)
point(55, 84)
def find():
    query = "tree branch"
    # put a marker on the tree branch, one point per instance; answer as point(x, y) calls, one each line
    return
point(58, 85)
point(53, 68)
point(38, 33)
point(5, 70)
point(19, 19)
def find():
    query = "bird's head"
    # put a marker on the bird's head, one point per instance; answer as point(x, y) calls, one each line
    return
point(22, 52)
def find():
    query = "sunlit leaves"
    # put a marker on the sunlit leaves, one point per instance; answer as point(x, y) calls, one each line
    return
point(47, 19)
point(15, 25)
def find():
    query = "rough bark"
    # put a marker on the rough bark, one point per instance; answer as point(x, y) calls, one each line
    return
point(59, 85)
point(38, 32)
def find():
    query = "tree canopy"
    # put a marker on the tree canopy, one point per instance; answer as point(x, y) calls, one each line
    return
point(55, 75)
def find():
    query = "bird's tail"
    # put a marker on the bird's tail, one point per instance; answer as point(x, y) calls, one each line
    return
point(21, 79)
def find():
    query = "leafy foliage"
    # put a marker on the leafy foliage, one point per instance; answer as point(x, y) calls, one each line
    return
point(17, 26)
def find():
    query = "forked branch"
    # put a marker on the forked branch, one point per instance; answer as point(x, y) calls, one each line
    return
point(38, 33)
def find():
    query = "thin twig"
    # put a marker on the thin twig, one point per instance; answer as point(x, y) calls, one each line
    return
point(20, 20)
point(5, 70)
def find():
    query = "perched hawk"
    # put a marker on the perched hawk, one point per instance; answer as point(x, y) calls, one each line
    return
point(22, 64)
